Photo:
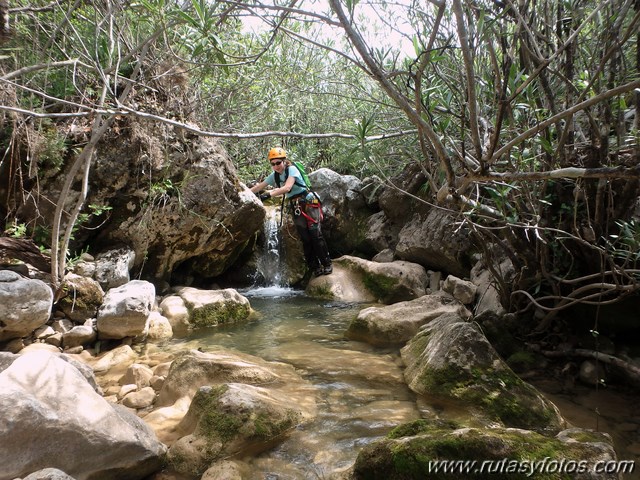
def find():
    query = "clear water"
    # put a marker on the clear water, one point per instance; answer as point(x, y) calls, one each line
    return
point(358, 390)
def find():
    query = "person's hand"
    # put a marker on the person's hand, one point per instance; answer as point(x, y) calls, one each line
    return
point(264, 196)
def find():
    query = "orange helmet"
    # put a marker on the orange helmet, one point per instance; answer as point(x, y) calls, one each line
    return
point(277, 152)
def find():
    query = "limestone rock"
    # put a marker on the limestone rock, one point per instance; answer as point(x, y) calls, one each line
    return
point(126, 310)
point(409, 452)
point(48, 474)
point(53, 416)
point(356, 279)
point(25, 305)
point(193, 369)
point(214, 307)
point(82, 297)
point(462, 290)
point(175, 310)
point(79, 335)
point(159, 328)
point(112, 267)
point(398, 323)
point(228, 419)
point(452, 358)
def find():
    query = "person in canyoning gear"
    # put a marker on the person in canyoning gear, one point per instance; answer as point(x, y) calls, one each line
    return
point(287, 180)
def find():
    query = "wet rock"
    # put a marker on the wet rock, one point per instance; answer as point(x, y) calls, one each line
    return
point(174, 308)
point(194, 369)
point(224, 470)
point(228, 419)
point(159, 328)
point(410, 450)
point(452, 358)
point(358, 280)
point(214, 307)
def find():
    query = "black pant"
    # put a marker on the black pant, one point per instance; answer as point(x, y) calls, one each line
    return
point(315, 248)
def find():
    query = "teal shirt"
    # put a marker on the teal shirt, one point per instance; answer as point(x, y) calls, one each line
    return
point(297, 189)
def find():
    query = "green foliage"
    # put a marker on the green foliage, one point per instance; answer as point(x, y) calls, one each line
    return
point(624, 246)
point(16, 230)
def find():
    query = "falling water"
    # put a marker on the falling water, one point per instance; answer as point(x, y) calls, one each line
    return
point(270, 261)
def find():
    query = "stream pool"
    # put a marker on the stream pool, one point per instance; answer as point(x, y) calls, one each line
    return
point(358, 389)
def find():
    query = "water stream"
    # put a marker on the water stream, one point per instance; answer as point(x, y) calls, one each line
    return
point(358, 389)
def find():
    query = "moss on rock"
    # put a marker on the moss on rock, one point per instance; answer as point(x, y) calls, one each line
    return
point(219, 314)
point(496, 453)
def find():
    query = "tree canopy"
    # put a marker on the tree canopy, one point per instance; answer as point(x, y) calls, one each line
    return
point(523, 115)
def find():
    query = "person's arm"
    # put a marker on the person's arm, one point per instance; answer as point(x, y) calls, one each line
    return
point(286, 188)
point(259, 186)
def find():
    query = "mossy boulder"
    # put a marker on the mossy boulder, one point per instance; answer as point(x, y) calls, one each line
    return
point(81, 298)
point(450, 357)
point(418, 451)
point(230, 419)
point(214, 307)
point(358, 280)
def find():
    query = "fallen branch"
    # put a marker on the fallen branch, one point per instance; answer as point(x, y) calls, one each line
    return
point(632, 370)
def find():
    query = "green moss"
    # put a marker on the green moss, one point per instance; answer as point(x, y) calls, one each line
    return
point(320, 291)
point(521, 360)
point(421, 426)
point(266, 429)
point(501, 394)
point(219, 314)
point(412, 457)
point(381, 286)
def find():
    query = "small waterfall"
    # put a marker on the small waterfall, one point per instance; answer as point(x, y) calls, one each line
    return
point(270, 261)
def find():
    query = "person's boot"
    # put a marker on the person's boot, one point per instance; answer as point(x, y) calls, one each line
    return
point(327, 269)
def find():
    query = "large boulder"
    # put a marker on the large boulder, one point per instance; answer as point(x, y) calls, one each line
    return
point(345, 209)
point(415, 230)
point(25, 304)
point(125, 311)
point(358, 280)
point(214, 307)
point(431, 449)
point(194, 369)
point(396, 324)
point(53, 417)
point(191, 216)
point(450, 357)
point(228, 420)
point(436, 241)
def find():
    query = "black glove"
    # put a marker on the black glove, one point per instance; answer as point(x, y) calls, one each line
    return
point(264, 196)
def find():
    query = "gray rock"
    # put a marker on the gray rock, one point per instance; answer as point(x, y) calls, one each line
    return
point(53, 416)
point(452, 358)
point(25, 305)
point(126, 310)
point(396, 324)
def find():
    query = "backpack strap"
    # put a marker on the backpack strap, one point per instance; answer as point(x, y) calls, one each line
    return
point(276, 177)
